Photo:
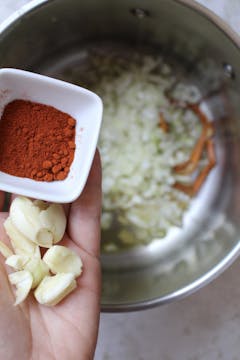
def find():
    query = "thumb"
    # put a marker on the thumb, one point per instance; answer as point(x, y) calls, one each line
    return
point(85, 213)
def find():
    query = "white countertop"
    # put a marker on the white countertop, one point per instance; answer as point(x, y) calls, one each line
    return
point(204, 326)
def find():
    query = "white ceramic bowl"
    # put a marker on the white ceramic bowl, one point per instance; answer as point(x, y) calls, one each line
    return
point(83, 105)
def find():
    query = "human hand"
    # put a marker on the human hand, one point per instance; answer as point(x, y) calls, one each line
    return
point(68, 330)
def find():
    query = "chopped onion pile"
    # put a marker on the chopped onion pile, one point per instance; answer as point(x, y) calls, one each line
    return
point(139, 202)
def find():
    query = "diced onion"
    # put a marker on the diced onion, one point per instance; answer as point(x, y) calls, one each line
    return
point(137, 155)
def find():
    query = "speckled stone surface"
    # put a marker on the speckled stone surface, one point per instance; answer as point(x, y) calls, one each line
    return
point(204, 326)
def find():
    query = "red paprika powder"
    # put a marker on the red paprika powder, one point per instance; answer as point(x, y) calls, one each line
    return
point(37, 141)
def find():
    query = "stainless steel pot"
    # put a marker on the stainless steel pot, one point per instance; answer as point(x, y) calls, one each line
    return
point(48, 36)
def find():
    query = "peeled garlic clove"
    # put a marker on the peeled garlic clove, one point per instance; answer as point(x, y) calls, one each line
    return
point(37, 253)
point(25, 217)
point(17, 262)
point(44, 238)
point(54, 219)
point(55, 288)
point(42, 205)
point(63, 260)
point(23, 281)
point(38, 269)
point(20, 243)
point(4, 250)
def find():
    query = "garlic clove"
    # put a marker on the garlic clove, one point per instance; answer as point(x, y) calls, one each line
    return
point(25, 217)
point(54, 219)
point(20, 243)
point(38, 269)
point(63, 260)
point(55, 288)
point(4, 250)
point(42, 205)
point(44, 238)
point(17, 262)
point(23, 282)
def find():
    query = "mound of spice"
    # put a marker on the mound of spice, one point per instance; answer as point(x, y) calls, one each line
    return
point(37, 141)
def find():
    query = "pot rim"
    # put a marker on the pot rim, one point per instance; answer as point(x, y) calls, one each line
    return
point(192, 4)
point(234, 253)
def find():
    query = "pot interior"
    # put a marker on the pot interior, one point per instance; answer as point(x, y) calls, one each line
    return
point(57, 37)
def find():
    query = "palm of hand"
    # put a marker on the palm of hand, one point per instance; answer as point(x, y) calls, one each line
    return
point(69, 330)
